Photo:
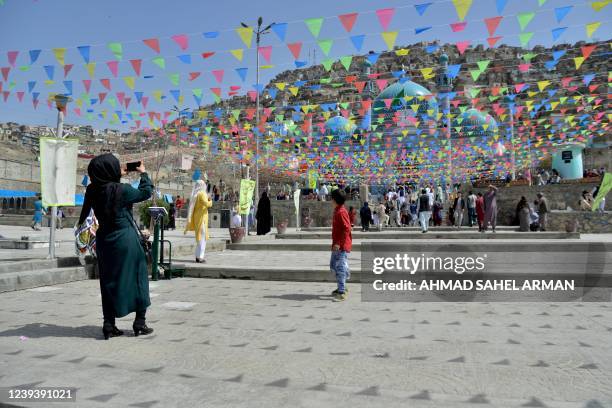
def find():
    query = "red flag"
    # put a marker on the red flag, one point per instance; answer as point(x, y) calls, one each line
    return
point(492, 24)
point(136, 65)
point(348, 20)
point(587, 50)
point(492, 41)
point(207, 54)
point(153, 43)
point(194, 75)
point(106, 83)
point(295, 49)
point(67, 69)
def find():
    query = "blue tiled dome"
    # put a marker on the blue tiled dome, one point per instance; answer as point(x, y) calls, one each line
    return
point(397, 93)
point(339, 126)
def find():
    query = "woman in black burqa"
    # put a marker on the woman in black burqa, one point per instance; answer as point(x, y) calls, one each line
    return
point(122, 263)
point(264, 215)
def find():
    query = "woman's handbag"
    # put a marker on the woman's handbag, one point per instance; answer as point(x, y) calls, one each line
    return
point(144, 242)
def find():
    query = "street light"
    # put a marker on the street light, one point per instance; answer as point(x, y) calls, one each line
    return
point(60, 103)
point(258, 33)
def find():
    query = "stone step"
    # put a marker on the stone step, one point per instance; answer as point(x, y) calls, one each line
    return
point(441, 228)
point(436, 234)
point(28, 265)
point(25, 279)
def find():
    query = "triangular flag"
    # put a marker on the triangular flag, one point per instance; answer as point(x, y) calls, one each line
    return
point(295, 49)
point(525, 38)
point(561, 12)
point(59, 55)
point(136, 65)
point(129, 81)
point(492, 41)
point(492, 24)
point(67, 69)
point(152, 43)
point(182, 40)
point(160, 62)
point(591, 28)
point(194, 75)
point(314, 25)
point(218, 74)
point(12, 57)
point(389, 37)
point(599, 5)
point(34, 54)
point(385, 16)
point(587, 50)
point(280, 29)
point(266, 52)
point(246, 35)
point(346, 62)
point(174, 78)
point(117, 49)
point(525, 18)
point(501, 5)
point(457, 27)
point(113, 67)
point(325, 46)
point(578, 62)
point(242, 73)
point(357, 41)
point(238, 54)
point(557, 32)
point(421, 8)
point(462, 46)
point(91, 69)
point(462, 7)
point(348, 20)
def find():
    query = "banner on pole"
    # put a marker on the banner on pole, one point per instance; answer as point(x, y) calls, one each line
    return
point(604, 189)
point(247, 187)
point(296, 200)
point(58, 167)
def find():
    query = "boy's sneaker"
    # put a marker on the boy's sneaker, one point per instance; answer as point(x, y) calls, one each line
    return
point(339, 297)
point(335, 292)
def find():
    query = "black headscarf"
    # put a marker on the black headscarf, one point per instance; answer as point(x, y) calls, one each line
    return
point(104, 192)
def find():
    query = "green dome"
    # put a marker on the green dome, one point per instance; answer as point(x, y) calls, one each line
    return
point(396, 94)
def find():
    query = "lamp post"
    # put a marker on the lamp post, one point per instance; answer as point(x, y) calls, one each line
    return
point(60, 103)
point(445, 85)
point(510, 101)
point(258, 33)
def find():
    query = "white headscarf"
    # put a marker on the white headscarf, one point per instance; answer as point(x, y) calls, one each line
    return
point(200, 185)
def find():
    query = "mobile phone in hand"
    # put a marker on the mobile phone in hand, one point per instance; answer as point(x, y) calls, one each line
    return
point(132, 166)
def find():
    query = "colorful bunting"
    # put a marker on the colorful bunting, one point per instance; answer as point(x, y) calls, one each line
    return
point(314, 26)
point(421, 8)
point(152, 43)
point(182, 40)
point(246, 35)
point(384, 17)
point(117, 50)
point(462, 7)
point(389, 37)
point(348, 21)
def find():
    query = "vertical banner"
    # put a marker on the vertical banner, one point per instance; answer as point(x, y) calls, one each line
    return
point(186, 161)
point(296, 200)
point(247, 187)
point(58, 167)
point(312, 179)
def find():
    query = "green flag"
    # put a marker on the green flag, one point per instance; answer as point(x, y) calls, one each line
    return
point(604, 189)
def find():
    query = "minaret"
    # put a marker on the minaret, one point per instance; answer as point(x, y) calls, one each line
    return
point(445, 86)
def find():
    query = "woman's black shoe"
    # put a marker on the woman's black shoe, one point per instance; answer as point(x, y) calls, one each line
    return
point(111, 331)
point(144, 330)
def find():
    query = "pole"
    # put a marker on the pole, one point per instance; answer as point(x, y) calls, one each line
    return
point(257, 116)
point(59, 135)
point(448, 135)
point(513, 151)
point(246, 218)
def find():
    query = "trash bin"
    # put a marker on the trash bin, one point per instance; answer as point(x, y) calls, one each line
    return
point(214, 220)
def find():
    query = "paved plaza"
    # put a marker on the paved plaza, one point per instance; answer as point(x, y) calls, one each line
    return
point(220, 343)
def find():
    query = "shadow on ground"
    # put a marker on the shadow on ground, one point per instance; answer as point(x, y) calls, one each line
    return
point(41, 330)
point(299, 297)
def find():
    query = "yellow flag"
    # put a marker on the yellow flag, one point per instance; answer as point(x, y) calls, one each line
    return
point(294, 90)
point(129, 81)
point(238, 54)
point(389, 37)
point(462, 7)
point(599, 5)
point(59, 55)
point(591, 28)
point(91, 69)
point(542, 85)
point(578, 61)
point(427, 72)
point(157, 95)
point(402, 52)
point(281, 86)
point(246, 35)
point(246, 195)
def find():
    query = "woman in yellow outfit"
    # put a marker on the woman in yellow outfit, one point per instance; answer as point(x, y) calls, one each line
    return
point(197, 218)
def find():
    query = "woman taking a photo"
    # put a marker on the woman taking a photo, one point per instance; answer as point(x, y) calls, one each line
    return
point(197, 218)
point(122, 263)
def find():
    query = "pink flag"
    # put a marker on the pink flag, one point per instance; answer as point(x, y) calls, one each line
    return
point(524, 67)
point(144, 101)
point(266, 52)
point(182, 40)
point(385, 16)
point(106, 83)
point(20, 95)
point(348, 20)
point(252, 95)
point(87, 85)
point(381, 83)
point(462, 46)
point(5, 71)
point(456, 27)
point(218, 74)
point(102, 96)
point(113, 66)
point(120, 97)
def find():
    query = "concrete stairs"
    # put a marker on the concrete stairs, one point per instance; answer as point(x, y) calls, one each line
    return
point(26, 274)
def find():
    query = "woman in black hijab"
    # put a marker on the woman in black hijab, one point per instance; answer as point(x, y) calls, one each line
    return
point(264, 215)
point(124, 277)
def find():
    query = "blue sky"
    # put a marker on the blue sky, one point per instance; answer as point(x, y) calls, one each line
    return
point(46, 24)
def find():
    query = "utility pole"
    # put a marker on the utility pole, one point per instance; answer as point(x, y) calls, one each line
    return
point(258, 33)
